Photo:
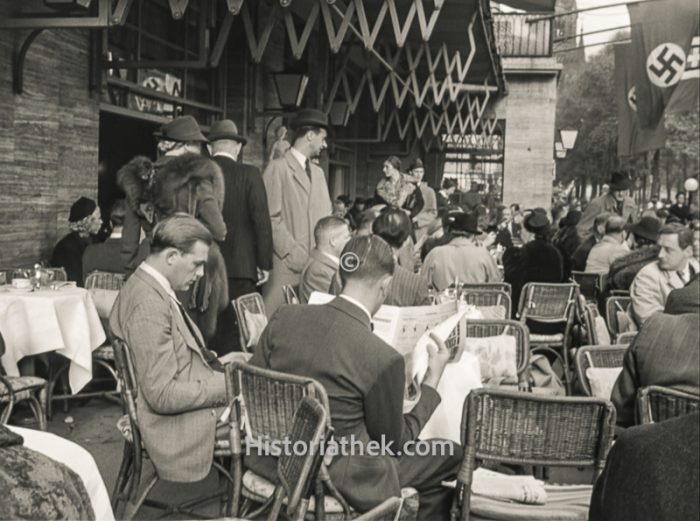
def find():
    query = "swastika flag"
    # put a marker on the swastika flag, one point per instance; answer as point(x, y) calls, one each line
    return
point(665, 57)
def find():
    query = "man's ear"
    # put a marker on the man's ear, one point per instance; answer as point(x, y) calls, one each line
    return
point(171, 255)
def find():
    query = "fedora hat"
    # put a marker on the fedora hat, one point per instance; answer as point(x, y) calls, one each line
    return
point(183, 129)
point(225, 129)
point(647, 227)
point(620, 181)
point(309, 118)
point(464, 222)
point(536, 223)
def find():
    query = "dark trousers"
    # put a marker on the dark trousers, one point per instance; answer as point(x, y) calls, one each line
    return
point(227, 338)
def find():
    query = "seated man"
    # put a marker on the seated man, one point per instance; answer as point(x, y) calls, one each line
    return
point(365, 381)
point(331, 235)
point(180, 382)
point(642, 239)
point(651, 474)
point(665, 352)
point(580, 257)
point(106, 256)
point(461, 258)
point(609, 248)
point(674, 268)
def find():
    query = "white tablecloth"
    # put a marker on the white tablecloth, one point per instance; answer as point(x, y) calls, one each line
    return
point(75, 458)
point(64, 321)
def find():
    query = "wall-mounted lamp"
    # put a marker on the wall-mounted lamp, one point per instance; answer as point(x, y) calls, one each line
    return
point(339, 114)
point(291, 87)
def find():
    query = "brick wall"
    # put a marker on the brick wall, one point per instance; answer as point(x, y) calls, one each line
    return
point(48, 142)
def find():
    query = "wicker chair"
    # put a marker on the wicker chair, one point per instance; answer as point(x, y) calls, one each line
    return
point(528, 429)
point(614, 306)
point(590, 317)
point(624, 339)
point(550, 304)
point(488, 328)
point(249, 303)
point(597, 356)
point(290, 294)
point(488, 298)
point(264, 402)
point(16, 389)
point(656, 404)
point(128, 489)
point(487, 286)
point(104, 280)
point(590, 284)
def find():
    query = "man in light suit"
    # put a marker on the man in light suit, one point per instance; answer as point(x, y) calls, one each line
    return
point(297, 197)
point(332, 234)
point(181, 386)
point(365, 381)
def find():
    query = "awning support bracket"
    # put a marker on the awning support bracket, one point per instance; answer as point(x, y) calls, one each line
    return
point(19, 58)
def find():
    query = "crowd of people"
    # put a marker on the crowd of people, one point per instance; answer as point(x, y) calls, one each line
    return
point(196, 230)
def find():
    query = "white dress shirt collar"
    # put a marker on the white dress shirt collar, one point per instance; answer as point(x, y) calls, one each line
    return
point(226, 154)
point(335, 259)
point(301, 158)
point(159, 278)
point(358, 304)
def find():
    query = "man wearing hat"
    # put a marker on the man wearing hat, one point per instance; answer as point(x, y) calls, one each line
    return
point(616, 201)
point(84, 221)
point(536, 261)
point(642, 240)
point(247, 249)
point(460, 259)
point(429, 211)
point(297, 197)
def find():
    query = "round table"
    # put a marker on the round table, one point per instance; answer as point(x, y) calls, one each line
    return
point(63, 320)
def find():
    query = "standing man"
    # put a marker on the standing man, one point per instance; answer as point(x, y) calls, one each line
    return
point(616, 201)
point(247, 249)
point(429, 212)
point(297, 197)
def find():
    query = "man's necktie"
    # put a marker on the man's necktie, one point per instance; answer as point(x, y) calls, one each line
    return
point(308, 168)
point(208, 355)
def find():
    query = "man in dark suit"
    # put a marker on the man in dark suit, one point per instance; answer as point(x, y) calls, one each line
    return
point(365, 381)
point(247, 249)
point(685, 299)
point(665, 352)
point(651, 474)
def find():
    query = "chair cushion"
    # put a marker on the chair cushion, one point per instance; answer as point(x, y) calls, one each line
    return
point(602, 380)
point(557, 338)
point(22, 386)
point(104, 352)
point(255, 322)
point(497, 357)
point(104, 300)
point(493, 312)
point(564, 503)
point(602, 335)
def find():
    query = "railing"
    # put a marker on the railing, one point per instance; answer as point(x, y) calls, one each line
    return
point(516, 37)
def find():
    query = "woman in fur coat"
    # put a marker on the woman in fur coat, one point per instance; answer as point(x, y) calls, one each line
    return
point(182, 180)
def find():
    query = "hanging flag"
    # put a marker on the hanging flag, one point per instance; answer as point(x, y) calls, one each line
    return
point(631, 137)
point(666, 57)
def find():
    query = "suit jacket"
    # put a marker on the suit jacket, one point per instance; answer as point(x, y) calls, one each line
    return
point(650, 289)
point(462, 259)
point(580, 256)
point(603, 254)
point(651, 474)
point(364, 378)
point(665, 352)
point(684, 300)
point(429, 212)
point(317, 275)
point(178, 392)
point(103, 256)
point(605, 203)
point(248, 243)
point(296, 203)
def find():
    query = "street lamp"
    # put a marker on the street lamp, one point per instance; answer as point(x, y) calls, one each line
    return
point(339, 114)
point(291, 87)
point(559, 150)
point(568, 138)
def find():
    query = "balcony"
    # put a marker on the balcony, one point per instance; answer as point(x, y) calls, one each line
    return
point(516, 37)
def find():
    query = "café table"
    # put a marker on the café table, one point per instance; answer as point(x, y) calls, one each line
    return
point(64, 320)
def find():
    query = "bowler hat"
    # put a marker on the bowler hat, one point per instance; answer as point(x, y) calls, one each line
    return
point(620, 181)
point(225, 129)
point(464, 222)
point(647, 227)
point(183, 129)
point(309, 118)
point(81, 209)
point(536, 223)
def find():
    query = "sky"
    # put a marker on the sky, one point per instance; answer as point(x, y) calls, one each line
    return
point(601, 19)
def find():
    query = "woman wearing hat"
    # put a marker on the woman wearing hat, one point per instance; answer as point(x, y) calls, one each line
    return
point(84, 221)
point(617, 201)
point(536, 261)
point(182, 180)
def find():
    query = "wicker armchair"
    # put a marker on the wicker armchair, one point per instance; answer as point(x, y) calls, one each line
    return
point(16, 389)
point(656, 404)
point(550, 304)
point(104, 280)
point(249, 303)
point(128, 490)
point(488, 328)
point(290, 294)
point(597, 356)
point(616, 309)
point(590, 284)
point(487, 286)
point(488, 298)
point(590, 317)
point(624, 339)
point(264, 403)
point(529, 429)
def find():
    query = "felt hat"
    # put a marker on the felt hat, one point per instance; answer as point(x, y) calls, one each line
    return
point(647, 227)
point(225, 129)
point(183, 129)
point(309, 118)
point(620, 181)
point(536, 223)
point(81, 209)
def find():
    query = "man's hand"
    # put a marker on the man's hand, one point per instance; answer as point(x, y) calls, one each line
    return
point(263, 277)
point(437, 360)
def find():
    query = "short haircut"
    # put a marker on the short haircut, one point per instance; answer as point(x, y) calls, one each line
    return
point(680, 194)
point(601, 219)
point(345, 199)
point(367, 258)
point(394, 161)
point(301, 131)
point(392, 225)
point(448, 182)
point(685, 234)
point(116, 215)
point(326, 225)
point(614, 224)
point(515, 207)
point(181, 231)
